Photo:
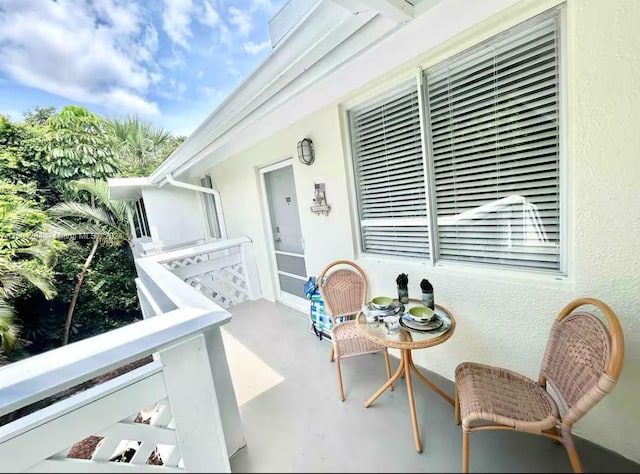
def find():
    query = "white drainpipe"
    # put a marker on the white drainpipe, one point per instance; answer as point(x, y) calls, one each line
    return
point(202, 189)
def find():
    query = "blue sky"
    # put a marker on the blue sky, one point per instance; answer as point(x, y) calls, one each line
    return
point(168, 61)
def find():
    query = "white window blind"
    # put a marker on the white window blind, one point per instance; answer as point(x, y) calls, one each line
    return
point(493, 116)
point(389, 172)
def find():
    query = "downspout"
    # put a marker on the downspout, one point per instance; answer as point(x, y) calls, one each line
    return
point(202, 189)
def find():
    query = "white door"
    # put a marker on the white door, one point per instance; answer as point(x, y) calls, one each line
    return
point(286, 234)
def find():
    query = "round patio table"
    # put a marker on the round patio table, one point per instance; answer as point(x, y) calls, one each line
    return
point(406, 340)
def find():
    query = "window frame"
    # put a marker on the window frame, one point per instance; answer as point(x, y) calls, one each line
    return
point(408, 83)
point(210, 205)
point(563, 187)
point(141, 222)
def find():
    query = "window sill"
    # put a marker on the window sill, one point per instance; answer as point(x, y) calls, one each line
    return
point(475, 271)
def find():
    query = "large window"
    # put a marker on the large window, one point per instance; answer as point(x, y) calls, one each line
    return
point(140, 222)
point(389, 171)
point(492, 130)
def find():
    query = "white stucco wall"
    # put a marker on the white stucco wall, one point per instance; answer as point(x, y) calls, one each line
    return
point(240, 184)
point(175, 215)
point(503, 317)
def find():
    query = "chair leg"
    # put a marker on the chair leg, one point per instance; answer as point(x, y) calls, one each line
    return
point(465, 450)
point(567, 440)
point(340, 389)
point(386, 362)
point(331, 358)
point(456, 405)
point(553, 431)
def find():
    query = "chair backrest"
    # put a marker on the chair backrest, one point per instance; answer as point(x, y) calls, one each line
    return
point(583, 357)
point(343, 288)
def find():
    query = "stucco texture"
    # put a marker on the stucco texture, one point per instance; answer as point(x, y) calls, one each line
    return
point(503, 317)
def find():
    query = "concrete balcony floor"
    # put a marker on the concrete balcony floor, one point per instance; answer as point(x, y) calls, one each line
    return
point(294, 421)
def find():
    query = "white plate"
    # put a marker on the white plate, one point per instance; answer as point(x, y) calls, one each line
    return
point(434, 323)
point(395, 308)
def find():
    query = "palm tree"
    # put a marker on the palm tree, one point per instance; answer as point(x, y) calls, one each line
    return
point(139, 144)
point(8, 331)
point(106, 221)
point(25, 258)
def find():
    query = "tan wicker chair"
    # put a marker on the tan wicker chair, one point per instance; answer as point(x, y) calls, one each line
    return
point(581, 363)
point(344, 291)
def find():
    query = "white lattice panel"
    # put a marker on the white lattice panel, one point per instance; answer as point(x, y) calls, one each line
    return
point(222, 277)
point(226, 286)
point(185, 262)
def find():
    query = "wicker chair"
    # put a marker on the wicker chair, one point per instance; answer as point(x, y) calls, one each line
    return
point(343, 287)
point(581, 363)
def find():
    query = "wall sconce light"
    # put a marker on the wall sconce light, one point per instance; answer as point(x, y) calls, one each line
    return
point(305, 151)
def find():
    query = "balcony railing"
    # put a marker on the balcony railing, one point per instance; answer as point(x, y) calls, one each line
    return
point(223, 271)
point(175, 413)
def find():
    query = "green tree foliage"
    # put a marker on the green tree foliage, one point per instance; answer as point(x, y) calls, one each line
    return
point(140, 145)
point(38, 115)
point(43, 155)
point(171, 145)
point(104, 221)
point(77, 145)
point(8, 330)
point(108, 299)
point(25, 257)
point(21, 145)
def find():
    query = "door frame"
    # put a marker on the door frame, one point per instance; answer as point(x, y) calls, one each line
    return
point(288, 299)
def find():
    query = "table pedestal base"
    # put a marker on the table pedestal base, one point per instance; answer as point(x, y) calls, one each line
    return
point(405, 368)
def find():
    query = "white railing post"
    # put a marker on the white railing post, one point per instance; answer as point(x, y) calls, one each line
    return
point(155, 276)
point(180, 393)
point(194, 402)
point(225, 392)
point(250, 270)
point(179, 409)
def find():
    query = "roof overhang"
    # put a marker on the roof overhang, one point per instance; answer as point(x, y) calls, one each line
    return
point(324, 38)
point(127, 189)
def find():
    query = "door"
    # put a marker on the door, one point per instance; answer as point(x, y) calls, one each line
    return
point(286, 233)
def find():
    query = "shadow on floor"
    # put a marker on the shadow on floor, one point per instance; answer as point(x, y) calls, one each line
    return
point(294, 421)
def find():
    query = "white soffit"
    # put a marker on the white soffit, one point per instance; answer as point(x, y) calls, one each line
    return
point(427, 31)
point(126, 189)
point(330, 34)
point(399, 11)
point(287, 17)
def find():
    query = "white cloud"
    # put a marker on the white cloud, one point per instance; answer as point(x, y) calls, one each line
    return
point(176, 21)
point(254, 48)
point(94, 52)
point(122, 17)
point(225, 38)
point(210, 15)
point(120, 99)
point(266, 5)
point(242, 20)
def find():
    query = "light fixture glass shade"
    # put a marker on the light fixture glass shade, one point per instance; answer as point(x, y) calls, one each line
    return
point(305, 151)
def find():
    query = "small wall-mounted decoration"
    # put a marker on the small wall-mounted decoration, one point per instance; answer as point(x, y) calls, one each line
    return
point(320, 205)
